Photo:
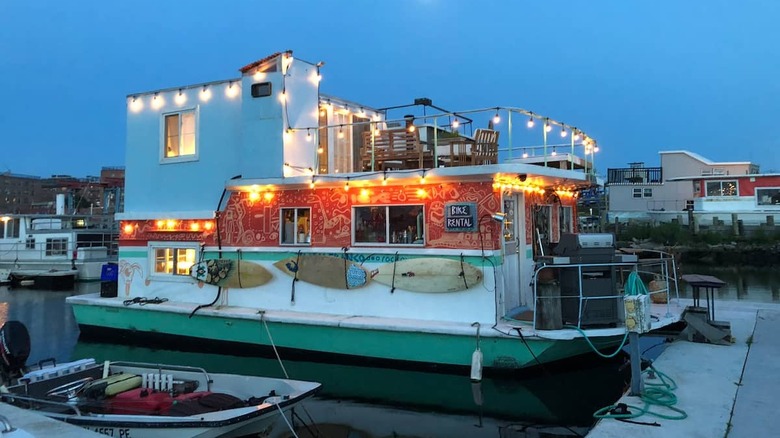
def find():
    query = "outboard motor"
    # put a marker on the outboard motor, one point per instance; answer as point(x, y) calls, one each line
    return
point(14, 349)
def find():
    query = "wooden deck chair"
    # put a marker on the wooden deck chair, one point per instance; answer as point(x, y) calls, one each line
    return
point(485, 149)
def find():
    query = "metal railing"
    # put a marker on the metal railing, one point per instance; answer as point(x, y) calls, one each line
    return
point(631, 175)
point(658, 272)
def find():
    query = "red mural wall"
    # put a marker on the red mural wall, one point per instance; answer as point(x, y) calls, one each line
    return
point(746, 187)
point(256, 223)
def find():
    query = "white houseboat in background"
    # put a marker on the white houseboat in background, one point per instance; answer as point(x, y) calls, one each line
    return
point(51, 251)
point(260, 212)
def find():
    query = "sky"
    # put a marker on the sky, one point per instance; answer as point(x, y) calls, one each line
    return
point(639, 77)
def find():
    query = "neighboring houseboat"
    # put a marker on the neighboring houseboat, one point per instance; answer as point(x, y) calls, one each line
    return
point(50, 251)
point(259, 212)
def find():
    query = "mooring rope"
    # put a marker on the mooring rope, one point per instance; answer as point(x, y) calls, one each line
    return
point(295, 276)
point(292, 431)
point(273, 345)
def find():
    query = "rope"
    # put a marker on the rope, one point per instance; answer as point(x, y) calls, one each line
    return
point(463, 271)
point(292, 431)
point(392, 283)
point(141, 301)
point(276, 352)
point(655, 394)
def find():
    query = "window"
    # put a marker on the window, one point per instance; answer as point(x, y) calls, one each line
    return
point(637, 193)
point(564, 219)
point(296, 226)
point(768, 196)
point(29, 243)
point(722, 188)
point(396, 225)
point(173, 260)
point(179, 135)
point(9, 227)
point(57, 246)
point(648, 193)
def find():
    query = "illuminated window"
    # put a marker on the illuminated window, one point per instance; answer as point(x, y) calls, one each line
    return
point(647, 193)
point(179, 135)
point(395, 225)
point(9, 227)
point(296, 226)
point(56, 247)
point(173, 260)
point(722, 188)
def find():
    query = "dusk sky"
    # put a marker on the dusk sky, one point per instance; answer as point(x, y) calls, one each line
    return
point(639, 77)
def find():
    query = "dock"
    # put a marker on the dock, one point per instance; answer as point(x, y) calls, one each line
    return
point(38, 425)
point(725, 390)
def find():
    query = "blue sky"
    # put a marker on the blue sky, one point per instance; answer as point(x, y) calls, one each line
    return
point(640, 77)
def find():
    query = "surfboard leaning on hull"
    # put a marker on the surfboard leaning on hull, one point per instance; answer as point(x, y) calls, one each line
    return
point(230, 273)
point(325, 271)
point(429, 274)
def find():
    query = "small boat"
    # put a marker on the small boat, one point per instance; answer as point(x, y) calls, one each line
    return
point(130, 399)
point(51, 279)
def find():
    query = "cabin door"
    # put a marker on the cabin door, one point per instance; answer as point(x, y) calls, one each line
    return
point(513, 250)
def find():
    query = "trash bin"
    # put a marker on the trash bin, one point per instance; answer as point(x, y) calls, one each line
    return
point(108, 280)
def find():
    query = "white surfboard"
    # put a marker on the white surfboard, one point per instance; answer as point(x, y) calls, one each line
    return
point(432, 275)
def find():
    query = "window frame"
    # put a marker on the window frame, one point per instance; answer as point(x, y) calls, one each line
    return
point(636, 193)
point(295, 222)
point(647, 192)
point(565, 218)
point(387, 242)
point(152, 260)
point(757, 197)
point(56, 247)
point(721, 182)
point(195, 110)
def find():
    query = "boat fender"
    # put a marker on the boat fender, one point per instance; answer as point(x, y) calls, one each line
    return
point(476, 359)
point(111, 385)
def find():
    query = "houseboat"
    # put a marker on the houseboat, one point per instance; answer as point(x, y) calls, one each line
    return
point(51, 251)
point(262, 213)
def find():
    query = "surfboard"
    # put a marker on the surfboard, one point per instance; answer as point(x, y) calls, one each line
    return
point(429, 275)
point(230, 273)
point(327, 271)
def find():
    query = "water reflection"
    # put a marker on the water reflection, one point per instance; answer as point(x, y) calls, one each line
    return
point(742, 283)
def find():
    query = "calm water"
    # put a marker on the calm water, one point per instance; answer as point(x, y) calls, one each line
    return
point(373, 402)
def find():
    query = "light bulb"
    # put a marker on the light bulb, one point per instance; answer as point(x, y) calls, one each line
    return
point(530, 123)
point(547, 126)
point(496, 119)
point(455, 123)
point(308, 136)
point(576, 135)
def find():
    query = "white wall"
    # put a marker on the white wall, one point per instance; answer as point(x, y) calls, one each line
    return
point(190, 186)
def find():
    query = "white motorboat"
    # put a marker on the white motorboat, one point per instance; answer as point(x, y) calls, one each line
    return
point(126, 399)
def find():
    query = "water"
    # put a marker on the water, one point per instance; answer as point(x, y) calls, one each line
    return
point(376, 402)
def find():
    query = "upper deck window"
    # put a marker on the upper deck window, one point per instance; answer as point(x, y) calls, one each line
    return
point(179, 136)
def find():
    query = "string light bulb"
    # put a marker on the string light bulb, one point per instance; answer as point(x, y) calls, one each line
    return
point(531, 122)
point(455, 123)
point(341, 131)
point(496, 118)
point(575, 135)
point(320, 150)
point(180, 98)
point(563, 131)
point(346, 186)
point(547, 126)
point(232, 90)
point(308, 135)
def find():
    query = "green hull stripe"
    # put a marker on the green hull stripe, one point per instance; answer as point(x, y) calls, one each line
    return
point(383, 344)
